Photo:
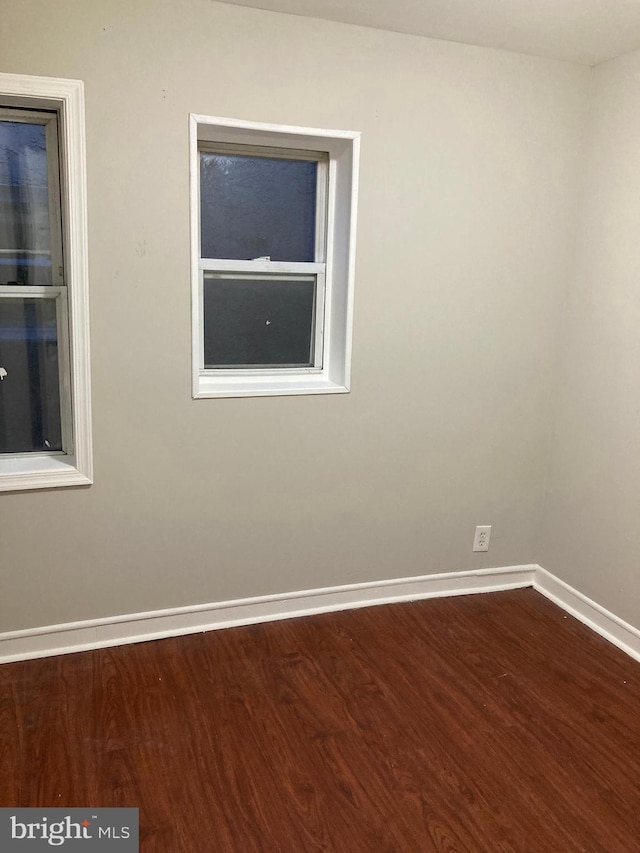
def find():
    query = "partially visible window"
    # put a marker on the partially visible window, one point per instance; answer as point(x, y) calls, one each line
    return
point(44, 399)
point(33, 316)
point(273, 220)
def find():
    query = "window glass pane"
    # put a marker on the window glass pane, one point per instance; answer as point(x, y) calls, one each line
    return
point(254, 207)
point(25, 239)
point(29, 387)
point(258, 321)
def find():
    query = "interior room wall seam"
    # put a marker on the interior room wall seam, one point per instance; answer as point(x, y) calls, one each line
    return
point(564, 306)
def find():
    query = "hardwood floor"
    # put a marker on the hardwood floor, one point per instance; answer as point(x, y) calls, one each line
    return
point(476, 724)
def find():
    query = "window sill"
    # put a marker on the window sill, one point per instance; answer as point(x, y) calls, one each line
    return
point(40, 472)
point(267, 386)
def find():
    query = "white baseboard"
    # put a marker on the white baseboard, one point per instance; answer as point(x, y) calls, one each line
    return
point(155, 625)
point(603, 622)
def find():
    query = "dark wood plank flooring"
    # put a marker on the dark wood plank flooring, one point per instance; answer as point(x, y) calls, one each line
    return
point(476, 724)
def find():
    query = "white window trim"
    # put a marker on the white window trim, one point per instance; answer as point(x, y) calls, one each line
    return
point(343, 148)
point(38, 470)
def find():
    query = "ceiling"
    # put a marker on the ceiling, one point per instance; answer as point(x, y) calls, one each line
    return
point(583, 31)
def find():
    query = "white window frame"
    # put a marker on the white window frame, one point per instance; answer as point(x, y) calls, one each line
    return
point(337, 153)
point(73, 466)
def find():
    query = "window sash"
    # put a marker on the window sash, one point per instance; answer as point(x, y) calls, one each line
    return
point(59, 294)
point(260, 268)
point(322, 180)
point(50, 122)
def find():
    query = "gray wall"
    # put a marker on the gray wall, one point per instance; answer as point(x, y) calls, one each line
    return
point(592, 518)
point(469, 184)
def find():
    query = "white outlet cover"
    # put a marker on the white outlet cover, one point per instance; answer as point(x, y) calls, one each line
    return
point(482, 537)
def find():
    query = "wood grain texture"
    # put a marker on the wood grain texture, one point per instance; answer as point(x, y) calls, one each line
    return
point(477, 724)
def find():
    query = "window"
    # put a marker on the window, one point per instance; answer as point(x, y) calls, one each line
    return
point(44, 389)
point(273, 242)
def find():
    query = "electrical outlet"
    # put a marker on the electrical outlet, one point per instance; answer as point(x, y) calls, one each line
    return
point(482, 537)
